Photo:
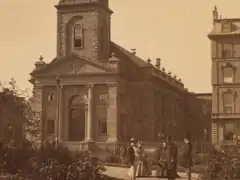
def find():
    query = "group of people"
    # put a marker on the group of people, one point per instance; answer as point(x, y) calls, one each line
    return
point(166, 159)
point(138, 160)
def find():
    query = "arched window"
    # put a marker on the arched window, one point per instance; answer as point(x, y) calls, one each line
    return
point(78, 36)
point(228, 74)
point(228, 103)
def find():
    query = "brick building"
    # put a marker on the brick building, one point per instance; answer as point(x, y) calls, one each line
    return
point(225, 46)
point(97, 91)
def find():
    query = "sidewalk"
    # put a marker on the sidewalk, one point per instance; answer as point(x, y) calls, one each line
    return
point(119, 172)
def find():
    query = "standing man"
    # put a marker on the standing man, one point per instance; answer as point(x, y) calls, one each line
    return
point(187, 157)
point(162, 170)
point(171, 159)
point(131, 158)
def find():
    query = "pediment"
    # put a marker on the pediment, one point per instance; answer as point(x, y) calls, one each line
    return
point(76, 66)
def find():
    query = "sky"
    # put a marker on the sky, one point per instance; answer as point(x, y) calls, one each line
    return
point(173, 30)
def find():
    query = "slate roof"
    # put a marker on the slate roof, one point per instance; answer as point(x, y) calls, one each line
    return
point(137, 60)
point(120, 52)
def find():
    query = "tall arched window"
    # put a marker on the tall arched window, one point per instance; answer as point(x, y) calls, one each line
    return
point(228, 74)
point(228, 103)
point(78, 36)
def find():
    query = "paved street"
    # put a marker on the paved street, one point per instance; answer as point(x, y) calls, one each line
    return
point(122, 173)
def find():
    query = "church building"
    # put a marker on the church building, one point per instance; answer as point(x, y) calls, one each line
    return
point(95, 91)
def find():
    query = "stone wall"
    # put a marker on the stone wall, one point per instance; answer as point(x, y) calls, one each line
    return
point(198, 115)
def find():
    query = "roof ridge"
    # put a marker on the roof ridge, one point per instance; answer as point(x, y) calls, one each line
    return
point(136, 59)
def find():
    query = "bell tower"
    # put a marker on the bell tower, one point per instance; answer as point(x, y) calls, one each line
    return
point(83, 28)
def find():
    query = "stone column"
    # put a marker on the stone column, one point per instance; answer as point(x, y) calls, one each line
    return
point(89, 122)
point(60, 111)
point(57, 127)
point(38, 108)
point(112, 113)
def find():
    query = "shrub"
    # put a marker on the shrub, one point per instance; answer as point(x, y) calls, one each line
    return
point(223, 164)
point(58, 164)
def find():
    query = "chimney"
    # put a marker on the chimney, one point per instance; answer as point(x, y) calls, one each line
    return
point(158, 63)
point(133, 51)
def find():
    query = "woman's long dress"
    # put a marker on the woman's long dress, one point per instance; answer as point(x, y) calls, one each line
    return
point(142, 168)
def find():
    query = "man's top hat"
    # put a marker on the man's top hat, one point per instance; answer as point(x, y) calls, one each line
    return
point(169, 138)
point(132, 139)
point(186, 137)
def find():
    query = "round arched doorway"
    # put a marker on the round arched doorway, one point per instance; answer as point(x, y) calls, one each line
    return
point(77, 119)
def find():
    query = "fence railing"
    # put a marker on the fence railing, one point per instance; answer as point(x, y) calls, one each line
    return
point(200, 149)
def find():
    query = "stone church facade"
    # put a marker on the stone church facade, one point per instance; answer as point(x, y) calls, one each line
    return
point(97, 91)
point(225, 48)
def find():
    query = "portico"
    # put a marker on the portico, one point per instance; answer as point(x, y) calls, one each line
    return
point(82, 104)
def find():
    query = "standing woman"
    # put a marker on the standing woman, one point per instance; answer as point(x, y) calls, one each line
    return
point(142, 168)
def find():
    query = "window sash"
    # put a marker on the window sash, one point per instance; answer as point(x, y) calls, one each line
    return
point(51, 97)
point(78, 43)
point(78, 31)
point(78, 36)
point(228, 109)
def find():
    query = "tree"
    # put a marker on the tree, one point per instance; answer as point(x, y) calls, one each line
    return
point(18, 121)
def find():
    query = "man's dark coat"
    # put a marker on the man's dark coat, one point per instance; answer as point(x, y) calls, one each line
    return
point(131, 155)
point(187, 155)
point(171, 152)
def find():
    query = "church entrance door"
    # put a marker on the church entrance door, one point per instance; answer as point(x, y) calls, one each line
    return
point(77, 120)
